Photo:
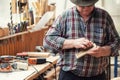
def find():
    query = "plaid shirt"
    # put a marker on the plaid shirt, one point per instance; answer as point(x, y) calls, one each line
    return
point(99, 29)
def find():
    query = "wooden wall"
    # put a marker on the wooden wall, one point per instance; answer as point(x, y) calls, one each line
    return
point(20, 42)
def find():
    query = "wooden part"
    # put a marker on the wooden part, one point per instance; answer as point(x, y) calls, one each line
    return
point(36, 5)
point(6, 47)
point(45, 6)
point(52, 7)
point(82, 53)
point(43, 21)
point(38, 9)
point(39, 54)
point(1, 32)
point(0, 49)
point(14, 6)
point(21, 42)
point(51, 74)
point(6, 31)
point(37, 20)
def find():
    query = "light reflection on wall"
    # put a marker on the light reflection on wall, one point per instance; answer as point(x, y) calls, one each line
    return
point(117, 1)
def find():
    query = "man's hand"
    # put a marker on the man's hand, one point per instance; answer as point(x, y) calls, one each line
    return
point(100, 51)
point(82, 43)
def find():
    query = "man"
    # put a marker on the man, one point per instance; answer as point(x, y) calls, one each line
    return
point(77, 29)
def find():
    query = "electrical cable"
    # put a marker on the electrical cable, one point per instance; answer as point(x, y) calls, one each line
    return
point(38, 73)
point(54, 66)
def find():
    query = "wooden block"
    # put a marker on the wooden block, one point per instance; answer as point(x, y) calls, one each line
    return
point(82, 53)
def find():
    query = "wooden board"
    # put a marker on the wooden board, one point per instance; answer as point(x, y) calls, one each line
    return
point(43, 21)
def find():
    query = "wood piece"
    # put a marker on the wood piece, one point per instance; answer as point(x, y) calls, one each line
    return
point(82, 53)
point(43, 21)
point(14, 6)
point(39, 54)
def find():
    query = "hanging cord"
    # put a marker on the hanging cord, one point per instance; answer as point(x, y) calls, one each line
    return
point(11, 19)
point(54, 66)
point(39, 76)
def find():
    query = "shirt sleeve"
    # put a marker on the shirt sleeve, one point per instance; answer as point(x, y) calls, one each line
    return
point(53, 39)
point(113, 37)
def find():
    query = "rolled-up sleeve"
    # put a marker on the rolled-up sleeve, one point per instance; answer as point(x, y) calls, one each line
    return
point(53, 39)
point(113, 37)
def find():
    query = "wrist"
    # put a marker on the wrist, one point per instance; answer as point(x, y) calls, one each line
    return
point(68, 43)
point(106, 50)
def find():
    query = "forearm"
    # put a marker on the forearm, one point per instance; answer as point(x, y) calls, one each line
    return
point(68, 43)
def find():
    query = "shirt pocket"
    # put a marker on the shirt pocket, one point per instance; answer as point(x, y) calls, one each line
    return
point(98, 34)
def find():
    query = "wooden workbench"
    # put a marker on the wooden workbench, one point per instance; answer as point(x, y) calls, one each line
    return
point(31, 73)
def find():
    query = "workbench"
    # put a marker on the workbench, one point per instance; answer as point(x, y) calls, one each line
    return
point(31, 73)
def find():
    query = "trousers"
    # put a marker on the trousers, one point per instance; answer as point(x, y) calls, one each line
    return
point(68, 75)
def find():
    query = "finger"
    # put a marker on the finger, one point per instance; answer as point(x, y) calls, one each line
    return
point(83, 46)
point(88, 43)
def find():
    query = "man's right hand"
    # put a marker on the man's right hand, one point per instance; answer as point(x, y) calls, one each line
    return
point(82, 43)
